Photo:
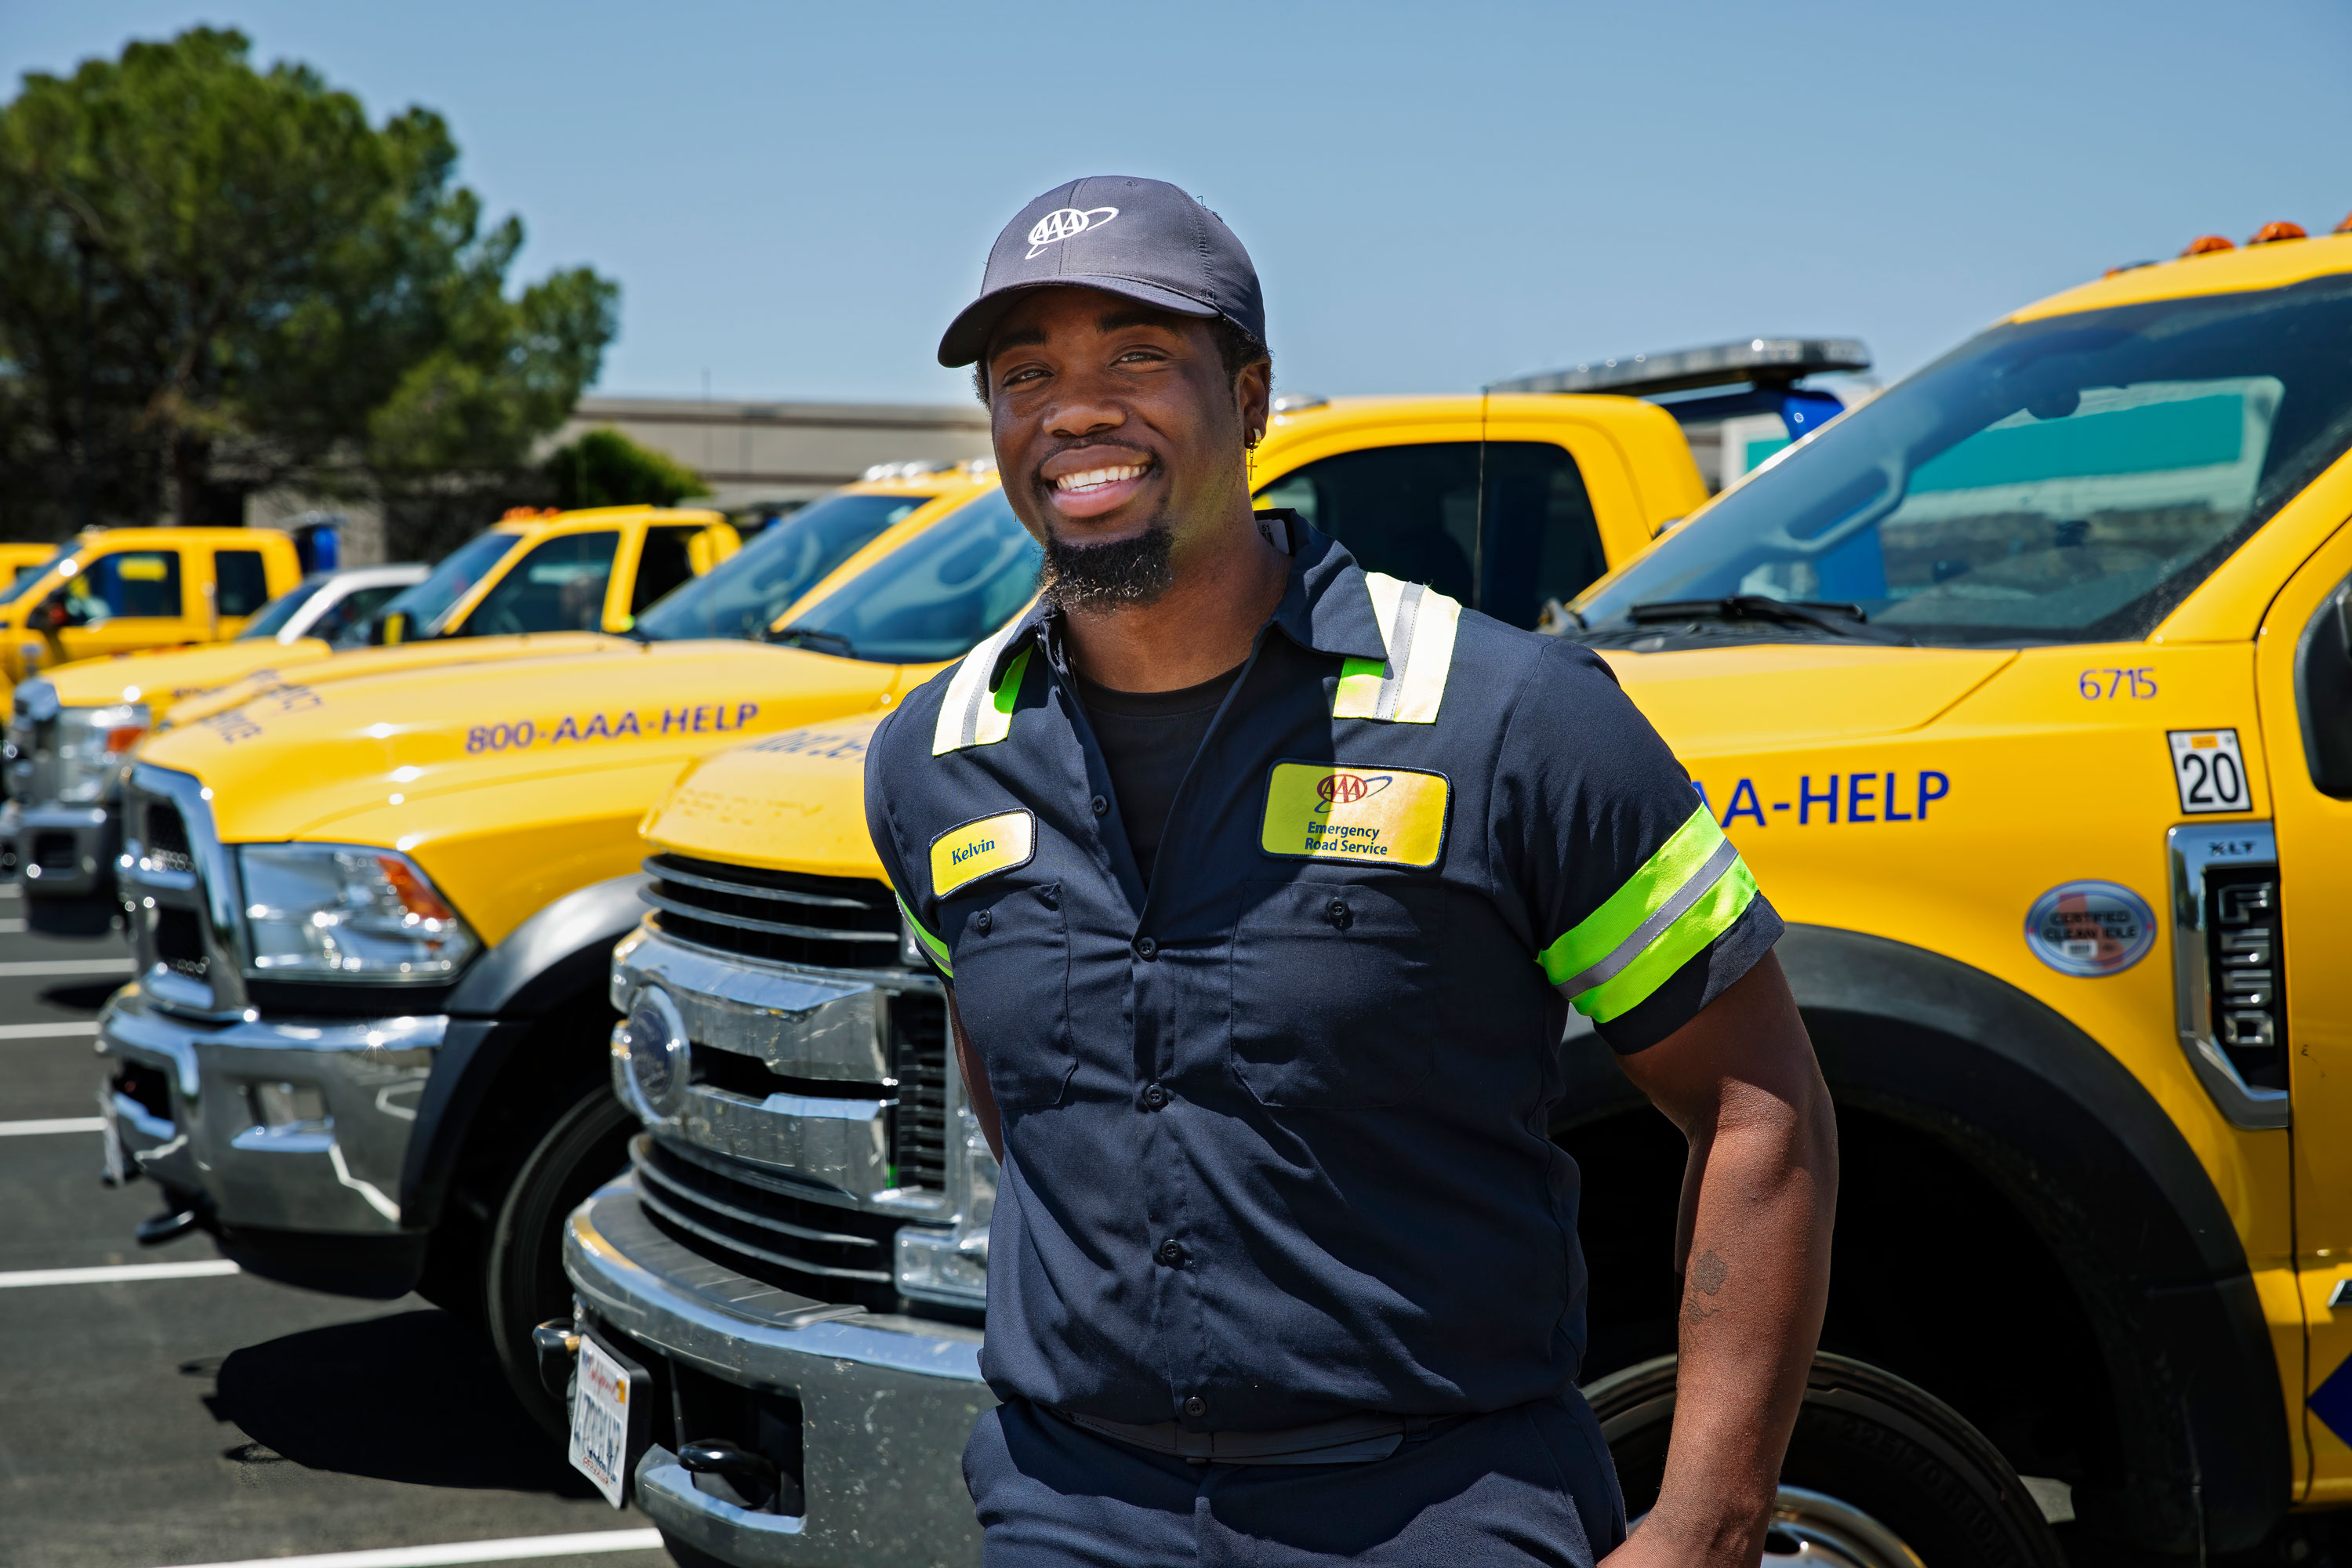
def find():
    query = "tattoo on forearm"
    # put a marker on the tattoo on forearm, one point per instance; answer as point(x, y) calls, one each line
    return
point(1706, 1277)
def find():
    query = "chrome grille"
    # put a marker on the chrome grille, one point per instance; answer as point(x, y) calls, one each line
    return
point(918, 1050)
point(781, 917)
point(166, 840)
point(761, 1226)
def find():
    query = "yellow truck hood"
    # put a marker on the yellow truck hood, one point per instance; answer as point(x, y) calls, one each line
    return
point(164, 676)
point(1765, 696)
point(193, 700)
point(791, 802)
point(516, 784)
point(795, 801)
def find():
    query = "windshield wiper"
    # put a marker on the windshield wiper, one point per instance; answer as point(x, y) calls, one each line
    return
point(1840, 620)
point(810, 637)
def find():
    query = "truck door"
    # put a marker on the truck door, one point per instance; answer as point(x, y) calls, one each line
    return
point(1506, 527)
point(125, 600)
point(2303, 671)
point(239, 587)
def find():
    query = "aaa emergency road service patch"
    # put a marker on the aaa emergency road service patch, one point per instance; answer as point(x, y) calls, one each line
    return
point(1318, 810)
point(981, 849)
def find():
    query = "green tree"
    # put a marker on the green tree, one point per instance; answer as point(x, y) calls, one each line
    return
point(278, 291)
point(605, 468)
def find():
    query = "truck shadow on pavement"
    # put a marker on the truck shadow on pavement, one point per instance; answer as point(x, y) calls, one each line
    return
point(412, 1397)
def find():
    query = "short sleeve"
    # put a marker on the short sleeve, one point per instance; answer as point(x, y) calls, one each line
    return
point(915, 902)
point(1642, 911)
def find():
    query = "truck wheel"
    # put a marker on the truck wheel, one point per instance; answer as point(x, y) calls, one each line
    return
point(523, 1283)
point(1880, 1473)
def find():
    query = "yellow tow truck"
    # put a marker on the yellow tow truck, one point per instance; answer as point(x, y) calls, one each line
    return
point(2025, 689)
point(579, 576)
point(367, 1043)
point(120, 590)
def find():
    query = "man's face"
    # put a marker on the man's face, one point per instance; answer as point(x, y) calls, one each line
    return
point(1111, 418)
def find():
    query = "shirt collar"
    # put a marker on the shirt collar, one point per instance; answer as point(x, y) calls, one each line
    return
point(1325, 607)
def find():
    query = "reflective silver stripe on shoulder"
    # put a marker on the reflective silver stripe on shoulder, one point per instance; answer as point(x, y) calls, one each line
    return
point(969, 694)
point(1417, 629)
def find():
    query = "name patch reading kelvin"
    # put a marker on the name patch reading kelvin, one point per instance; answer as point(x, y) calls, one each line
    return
point(981, 849)
point(1320, 812)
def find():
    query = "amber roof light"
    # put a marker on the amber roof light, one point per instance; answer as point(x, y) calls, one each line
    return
point(2345, 228)
point(2271, 233)
point(2205, 244)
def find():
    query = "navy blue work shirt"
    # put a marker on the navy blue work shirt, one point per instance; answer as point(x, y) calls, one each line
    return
point(1275, 1132)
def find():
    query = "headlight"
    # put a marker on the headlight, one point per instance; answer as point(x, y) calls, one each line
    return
point(344, 912)
point(91, 745)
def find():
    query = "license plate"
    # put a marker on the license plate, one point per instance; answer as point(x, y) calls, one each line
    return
point(601, 1392)
point(117, 1161)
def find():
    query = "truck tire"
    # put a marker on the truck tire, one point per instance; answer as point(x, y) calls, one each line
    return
point(523, 1284)
point(1880, 1473)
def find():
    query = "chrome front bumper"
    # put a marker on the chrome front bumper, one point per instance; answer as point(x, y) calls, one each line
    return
point(60, 851)
point(337, 1174)
point(888, 1401)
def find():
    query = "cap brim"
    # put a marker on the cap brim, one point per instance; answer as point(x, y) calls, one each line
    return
point(967, 335)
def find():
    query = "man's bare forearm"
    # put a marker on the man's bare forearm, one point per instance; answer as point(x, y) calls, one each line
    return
point(1752, 1246)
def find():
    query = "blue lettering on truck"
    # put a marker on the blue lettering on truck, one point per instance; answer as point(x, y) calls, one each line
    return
point(1840, 799)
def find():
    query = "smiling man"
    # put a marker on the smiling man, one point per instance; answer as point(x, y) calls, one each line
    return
point(1263, 887)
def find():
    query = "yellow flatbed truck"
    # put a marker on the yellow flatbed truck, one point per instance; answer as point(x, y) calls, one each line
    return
point(367, 1041)
point(2026, 691)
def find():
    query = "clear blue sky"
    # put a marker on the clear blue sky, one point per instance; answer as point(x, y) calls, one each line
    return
point(796, 198)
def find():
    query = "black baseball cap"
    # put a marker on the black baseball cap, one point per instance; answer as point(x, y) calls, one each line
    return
point(1142, 238)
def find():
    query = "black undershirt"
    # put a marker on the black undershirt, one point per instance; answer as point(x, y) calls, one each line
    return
point(1148, 740)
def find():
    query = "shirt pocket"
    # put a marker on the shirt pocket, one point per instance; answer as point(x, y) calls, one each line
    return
point(1011, 957)
point(1334, 994)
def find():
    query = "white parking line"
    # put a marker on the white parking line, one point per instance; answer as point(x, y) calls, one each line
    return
point(64, 1028)
point(10, 890)
point(13, 928)
point(53, 1124)
point(513, 1549)
point(38, 967)
point(124, 1274)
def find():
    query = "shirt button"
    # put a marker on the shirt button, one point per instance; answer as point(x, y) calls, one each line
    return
point(1338, 912)
point(983, 921)
point(1196, 1405)
point(1154, 1097)
point(1171, 1253)
point(1100, 805)
point(1146, 949)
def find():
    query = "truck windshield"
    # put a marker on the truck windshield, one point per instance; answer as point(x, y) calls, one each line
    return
point(935, 597)
point(2068, 479)
point(743, 597)
point(282, 609)
point(451, 581)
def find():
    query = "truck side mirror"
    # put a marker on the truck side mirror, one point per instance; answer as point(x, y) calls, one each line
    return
point(2322, 693)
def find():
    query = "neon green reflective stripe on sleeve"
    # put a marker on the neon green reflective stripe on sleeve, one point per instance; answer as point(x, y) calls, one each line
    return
point(931, 945)
point(1683, 897)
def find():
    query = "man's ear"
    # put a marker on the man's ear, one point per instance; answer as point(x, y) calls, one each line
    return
point(1254, 398)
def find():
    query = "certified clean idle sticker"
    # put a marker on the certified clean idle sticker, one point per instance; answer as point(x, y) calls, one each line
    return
point(2210, 770)
point(1322, 811)
point(981, 849)
point(2090, 929)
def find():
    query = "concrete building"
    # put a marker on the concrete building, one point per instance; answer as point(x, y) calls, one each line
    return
point(755, 454)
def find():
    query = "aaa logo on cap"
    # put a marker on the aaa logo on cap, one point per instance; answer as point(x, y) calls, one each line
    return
point(1315, 811)
point(1064, 223)
point(981, 849)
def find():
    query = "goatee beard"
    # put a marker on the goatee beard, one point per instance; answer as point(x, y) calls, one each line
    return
point(1126, 572)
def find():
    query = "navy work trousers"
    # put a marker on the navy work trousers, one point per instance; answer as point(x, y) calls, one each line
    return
point(1530, 1485)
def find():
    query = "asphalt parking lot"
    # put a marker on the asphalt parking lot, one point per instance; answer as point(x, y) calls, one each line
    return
point(191, 1414)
